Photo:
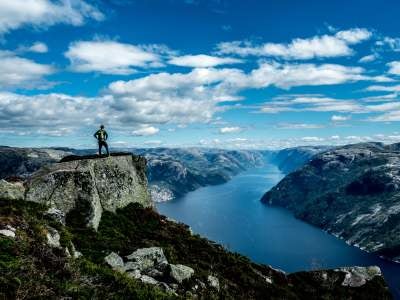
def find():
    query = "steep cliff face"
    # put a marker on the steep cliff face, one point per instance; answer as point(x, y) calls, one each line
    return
point(87, 186)
point(352, 192)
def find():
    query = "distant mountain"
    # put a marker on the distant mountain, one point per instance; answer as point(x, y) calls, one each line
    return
point(22, 162)
point(172, 172)
point(290, 159)
point(352, 192)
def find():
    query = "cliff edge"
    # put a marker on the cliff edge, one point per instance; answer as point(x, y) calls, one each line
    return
point(89, 185)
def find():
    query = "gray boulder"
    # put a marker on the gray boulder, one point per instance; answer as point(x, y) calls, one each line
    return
point(213, 282)
point(53, 237)
point(147, 260)
point(114, 261)
point(180, 272)
point(90, 185)
point(9, 231)
point(11, 190)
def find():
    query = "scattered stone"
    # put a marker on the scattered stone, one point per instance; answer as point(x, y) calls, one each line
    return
point(56, 215)
point(213, 282)
point(114, 261)
point(134, 274)
point(148, 279)
point(8, 233)
point(75, 253)
point(180, 272)
point(358, 276)
point(11, 190)
point(53, 237)
point(9, 227)
point(145, 259)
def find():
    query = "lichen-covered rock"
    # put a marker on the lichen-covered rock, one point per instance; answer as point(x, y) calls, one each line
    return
point(114, 261)
point(89, 185)
point(53, 237)
point(180, 272)
point(150, 261)
point(56, 215)
point(358, 276)
point(213, 282)
point(8, 233)
point(11, 190)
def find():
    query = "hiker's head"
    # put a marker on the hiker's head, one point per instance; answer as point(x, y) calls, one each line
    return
point(102, 126)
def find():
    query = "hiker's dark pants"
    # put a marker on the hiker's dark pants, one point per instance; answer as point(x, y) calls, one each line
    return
point(101, 144)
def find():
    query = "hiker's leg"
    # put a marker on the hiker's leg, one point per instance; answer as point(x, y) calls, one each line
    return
point(106, 145)
point(99, 148)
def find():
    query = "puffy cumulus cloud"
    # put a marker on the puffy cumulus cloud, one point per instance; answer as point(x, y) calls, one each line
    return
point(202, 61)
point(20, 72)
point(228, 130)
point(340, 118)
point(394, 67)
point(37, 47)
point(291, 75)
point(111, 57)
point(302, 49)
point(56, 111)
point(145, 130)
point(43, 13)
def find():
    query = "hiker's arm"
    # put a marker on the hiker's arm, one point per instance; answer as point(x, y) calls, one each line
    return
point(95, 134)
point(106, 135)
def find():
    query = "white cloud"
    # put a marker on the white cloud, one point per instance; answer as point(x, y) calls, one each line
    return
point(382, 88)
point(202, 61)
point(394, 67)
point(312, 139)
point(37, 47)
point(145, 131)
point(339, 118)
point(20, 72)
point(228, 130)
point(367, 58)
point(299, 126)
point(311, 103)
point(315, 47)
point(110, 57)
point(43, 13)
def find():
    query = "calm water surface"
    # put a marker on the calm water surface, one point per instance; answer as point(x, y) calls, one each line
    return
point(233, 215)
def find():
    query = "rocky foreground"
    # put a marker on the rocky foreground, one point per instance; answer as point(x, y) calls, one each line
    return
point(352, 192)
point(50, 248)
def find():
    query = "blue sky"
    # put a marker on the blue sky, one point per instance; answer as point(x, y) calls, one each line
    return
point(227, 74)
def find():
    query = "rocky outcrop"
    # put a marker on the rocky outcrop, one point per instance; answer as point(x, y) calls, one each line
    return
point(87, 186)
point(352, 192)
point(359, 276)
point(11, 190)
point(150, 266)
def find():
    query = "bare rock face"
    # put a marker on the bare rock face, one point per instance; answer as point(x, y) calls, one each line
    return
point(89, 185)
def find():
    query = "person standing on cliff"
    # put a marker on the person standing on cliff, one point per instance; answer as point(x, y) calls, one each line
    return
point(101, 135)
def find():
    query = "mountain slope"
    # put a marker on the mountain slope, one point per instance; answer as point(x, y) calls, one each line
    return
point(352, 192)
point(134, 253)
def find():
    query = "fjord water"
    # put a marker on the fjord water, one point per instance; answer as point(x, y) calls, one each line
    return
point(233, 215)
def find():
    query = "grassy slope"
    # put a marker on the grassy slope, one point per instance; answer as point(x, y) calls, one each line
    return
point(30, 269)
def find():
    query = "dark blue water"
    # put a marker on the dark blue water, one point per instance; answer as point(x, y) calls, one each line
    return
point(233, 215)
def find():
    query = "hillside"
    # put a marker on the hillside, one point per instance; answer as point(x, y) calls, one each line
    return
point(50, 249)
point(352, 192)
